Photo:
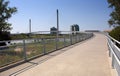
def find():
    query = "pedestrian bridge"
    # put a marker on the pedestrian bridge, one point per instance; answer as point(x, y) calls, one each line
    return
point(87, 58)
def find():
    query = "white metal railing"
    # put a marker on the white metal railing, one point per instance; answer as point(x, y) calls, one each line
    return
point(114, 53)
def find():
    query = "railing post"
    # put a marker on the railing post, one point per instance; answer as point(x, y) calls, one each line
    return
point(114, 42)
point(24, 50)
point(109, 49)
point(113, 61)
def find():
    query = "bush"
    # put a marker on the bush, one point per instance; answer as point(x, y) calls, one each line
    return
point(3, 37)
point(115, 33)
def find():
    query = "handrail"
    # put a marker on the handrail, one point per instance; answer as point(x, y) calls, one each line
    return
point(114, 52)
point(113, 39)
point(114, 55)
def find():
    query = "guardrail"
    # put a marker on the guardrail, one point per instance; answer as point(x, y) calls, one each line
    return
point(20, 51)
point(114, 53)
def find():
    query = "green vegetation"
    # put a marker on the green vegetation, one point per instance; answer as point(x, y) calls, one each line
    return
point(115, 18)
point(10, 54)
point(27, 36)
point(5, 13)
point(15, 53)
point(115, 33)
point(115, 15)
point(33, 49)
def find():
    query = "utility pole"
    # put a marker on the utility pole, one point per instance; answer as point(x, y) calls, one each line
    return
point(57, 23)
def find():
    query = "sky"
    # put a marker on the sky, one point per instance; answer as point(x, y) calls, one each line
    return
point(88, 14)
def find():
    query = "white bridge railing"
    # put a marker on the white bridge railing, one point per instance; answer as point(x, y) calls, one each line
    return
point(114, 53)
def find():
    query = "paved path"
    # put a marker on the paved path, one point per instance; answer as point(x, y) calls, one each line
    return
point(89, 58)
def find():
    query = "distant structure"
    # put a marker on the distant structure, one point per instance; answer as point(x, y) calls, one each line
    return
point(30, 26)
point(74, 28)
point(53, 31)
point(57, 23)
point(92, 31)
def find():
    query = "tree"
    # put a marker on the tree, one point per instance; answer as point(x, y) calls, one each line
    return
point(5, 13)
point(115, 15)
point(115, 33)
point(115, 18)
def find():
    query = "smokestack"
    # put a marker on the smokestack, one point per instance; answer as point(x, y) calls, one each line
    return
point(57, 22)
point(30, 26)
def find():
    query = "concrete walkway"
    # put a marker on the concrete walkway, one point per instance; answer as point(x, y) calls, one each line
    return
point(89, 58)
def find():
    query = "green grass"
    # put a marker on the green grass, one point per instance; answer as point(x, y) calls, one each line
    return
point(10, 56)
point(50, 46)
point(32, 49)
point(15, 52)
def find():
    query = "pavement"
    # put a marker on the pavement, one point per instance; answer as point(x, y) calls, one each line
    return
point(87, 58)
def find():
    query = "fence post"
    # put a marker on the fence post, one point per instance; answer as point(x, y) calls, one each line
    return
point(64, 42)
point(24, 50)
point(44, 46)
point(79, 38)
point(71, 39)
point(75, 38)
point(83, 37)
point(86, 37)
point(56, 44)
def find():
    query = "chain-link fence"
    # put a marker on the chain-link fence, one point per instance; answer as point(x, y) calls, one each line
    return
point(23, 50)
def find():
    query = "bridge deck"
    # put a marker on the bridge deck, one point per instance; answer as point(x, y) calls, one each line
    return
point(89, 58)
